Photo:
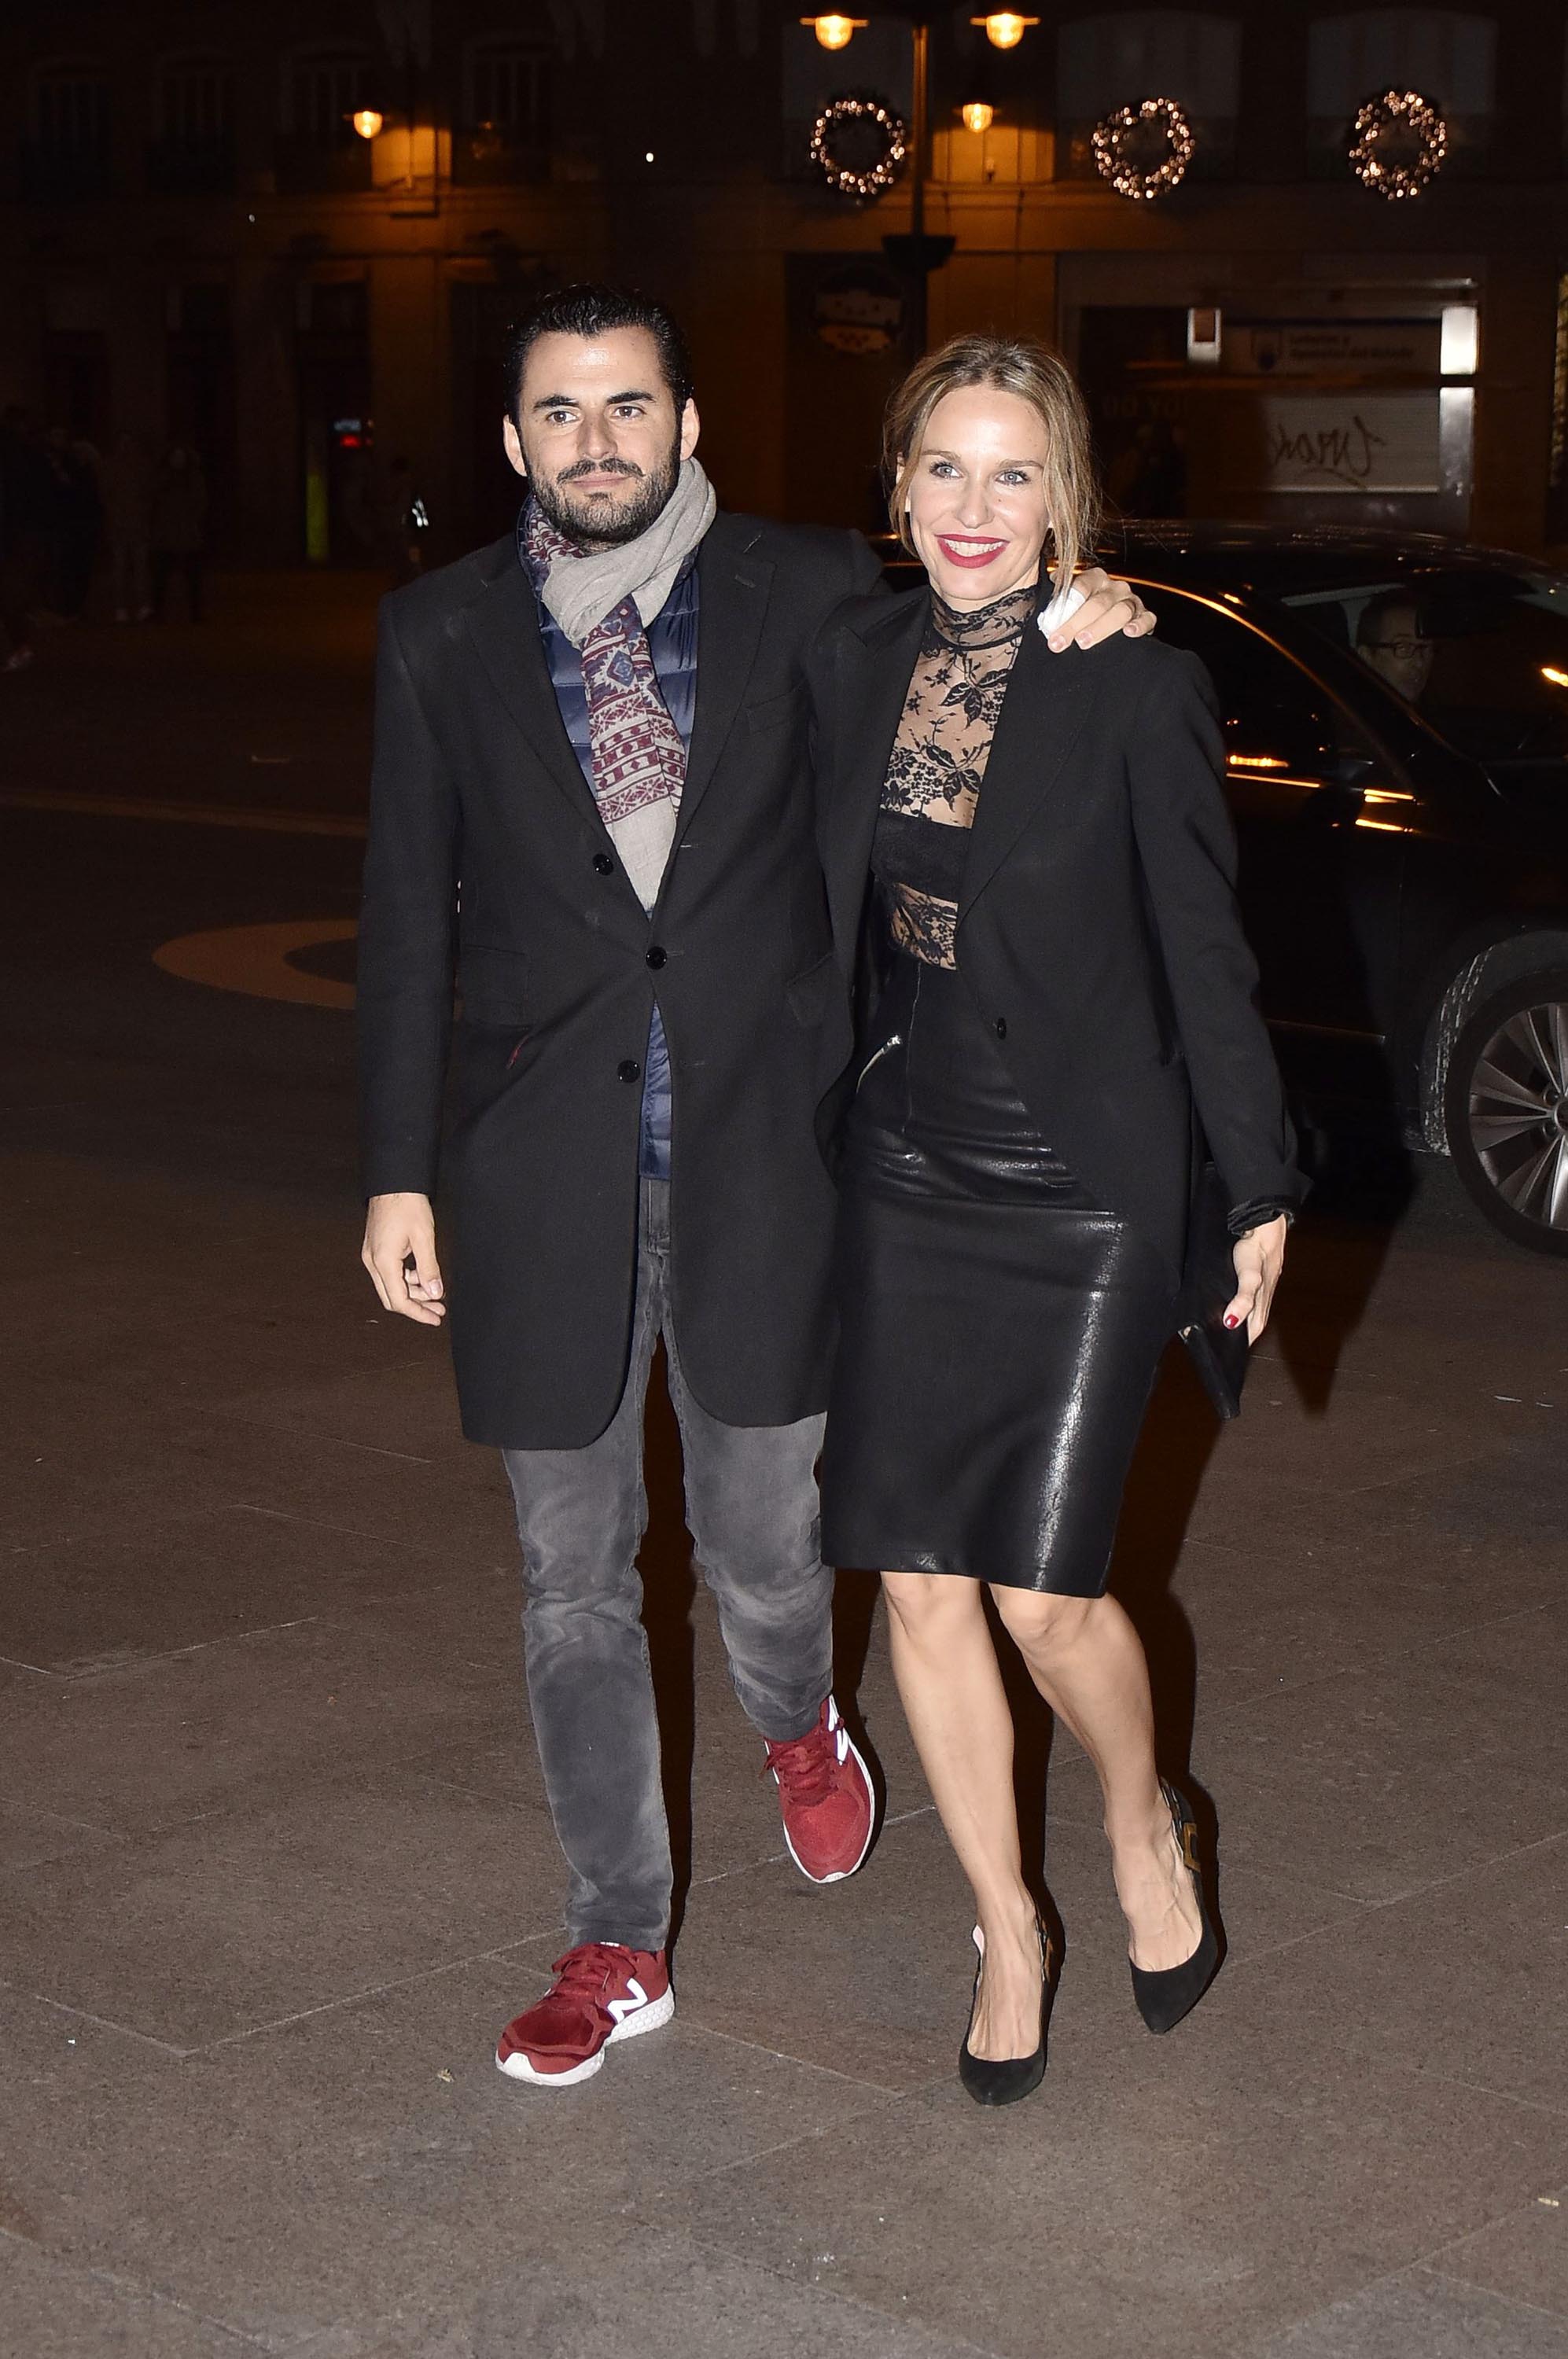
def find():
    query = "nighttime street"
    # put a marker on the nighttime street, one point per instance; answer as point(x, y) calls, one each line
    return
point(277, 1858)
point(785, 1082)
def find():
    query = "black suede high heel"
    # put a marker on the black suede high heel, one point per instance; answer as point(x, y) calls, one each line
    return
point(1002, 2081)
point(1165, 1997)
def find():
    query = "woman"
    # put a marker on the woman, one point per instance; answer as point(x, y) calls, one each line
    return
point(1063, 982)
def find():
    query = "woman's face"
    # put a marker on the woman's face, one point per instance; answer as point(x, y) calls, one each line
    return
point(976, 495)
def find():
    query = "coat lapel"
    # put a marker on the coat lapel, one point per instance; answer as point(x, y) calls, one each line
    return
point(733, 587)
point(870, 688)
point(504, 626)
point(1048, 700)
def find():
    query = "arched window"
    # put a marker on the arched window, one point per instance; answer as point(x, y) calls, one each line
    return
point(504, 130)
point(1449, 55)
point(194, 102)
point(1104, 62)
point(67, 142)
point(322, 92)
point(193, 124)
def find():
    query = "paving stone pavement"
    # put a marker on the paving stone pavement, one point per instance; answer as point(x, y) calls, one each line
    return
point(274, 1862)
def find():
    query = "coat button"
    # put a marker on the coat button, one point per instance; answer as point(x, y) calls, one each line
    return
point(629, 1070)
point(603, 864)
point(1000, 1028)
point(656, 957)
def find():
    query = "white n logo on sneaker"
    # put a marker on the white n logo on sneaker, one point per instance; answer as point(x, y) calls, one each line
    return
point(621, 2007)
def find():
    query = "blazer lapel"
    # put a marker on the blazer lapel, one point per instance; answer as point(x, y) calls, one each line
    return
point(870, 688)
point(504, 626)
point(733, 587)
point(1047, 701)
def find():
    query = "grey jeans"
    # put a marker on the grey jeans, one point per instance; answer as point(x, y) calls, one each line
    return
point(751, 1504)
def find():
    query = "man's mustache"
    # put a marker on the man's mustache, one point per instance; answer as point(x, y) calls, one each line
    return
point(598, 467)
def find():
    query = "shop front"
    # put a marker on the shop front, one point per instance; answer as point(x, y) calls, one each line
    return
point(1300, 403)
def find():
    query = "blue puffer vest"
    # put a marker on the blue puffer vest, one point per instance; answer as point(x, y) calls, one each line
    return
point(673, 643)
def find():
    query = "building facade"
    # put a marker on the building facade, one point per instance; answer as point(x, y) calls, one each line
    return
point(197, 244)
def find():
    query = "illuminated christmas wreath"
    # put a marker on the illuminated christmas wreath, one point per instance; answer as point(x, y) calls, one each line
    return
point(1116, 165)
point(849, 179)
point(1398, 111)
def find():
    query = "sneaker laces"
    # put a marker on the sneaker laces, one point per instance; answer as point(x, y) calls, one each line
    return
point(805, 1764)
point(588, 1970)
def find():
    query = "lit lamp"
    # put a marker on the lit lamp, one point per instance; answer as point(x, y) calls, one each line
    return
point(836, 32)
point(367, 122)
point(977, 115)
point(1005, 31)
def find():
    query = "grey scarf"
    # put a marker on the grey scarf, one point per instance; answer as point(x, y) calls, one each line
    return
point(581, 590)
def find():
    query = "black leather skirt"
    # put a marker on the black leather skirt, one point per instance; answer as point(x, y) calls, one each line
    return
point(999, 1331)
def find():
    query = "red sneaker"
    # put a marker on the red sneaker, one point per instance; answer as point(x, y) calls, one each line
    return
point(602, 1993)
point(826, 1798)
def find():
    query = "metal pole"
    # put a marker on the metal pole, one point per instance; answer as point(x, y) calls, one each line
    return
point(918, 196)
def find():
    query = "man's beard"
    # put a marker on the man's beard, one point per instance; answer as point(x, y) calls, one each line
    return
point(593, 520)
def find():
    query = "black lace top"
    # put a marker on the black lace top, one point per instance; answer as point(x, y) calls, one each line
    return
point(937, 762)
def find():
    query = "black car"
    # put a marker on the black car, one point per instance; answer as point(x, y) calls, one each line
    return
point(1396, 719)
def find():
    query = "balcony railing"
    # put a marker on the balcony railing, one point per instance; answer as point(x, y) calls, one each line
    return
point(486, 154)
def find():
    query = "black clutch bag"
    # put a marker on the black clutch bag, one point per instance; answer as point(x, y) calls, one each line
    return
point(1208, 1282)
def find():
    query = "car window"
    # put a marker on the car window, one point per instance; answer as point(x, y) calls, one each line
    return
point(1276, 717)
point(1481, 653)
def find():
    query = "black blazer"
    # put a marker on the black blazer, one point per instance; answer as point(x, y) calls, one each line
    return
point(1097, 927)
point(487, 859)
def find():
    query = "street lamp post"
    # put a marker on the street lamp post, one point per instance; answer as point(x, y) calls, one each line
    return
point(915, 253)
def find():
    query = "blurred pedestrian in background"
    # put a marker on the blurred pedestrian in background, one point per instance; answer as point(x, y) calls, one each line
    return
point(25, 503)
point(127, 517)
point(178, 532)
point(76, 521)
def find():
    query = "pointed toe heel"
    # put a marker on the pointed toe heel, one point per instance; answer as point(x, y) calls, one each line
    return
point(1164, 1997)
point(1002, 2081)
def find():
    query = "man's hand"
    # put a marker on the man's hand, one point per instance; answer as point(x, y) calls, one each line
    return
point(400, 1252)
point(1259, 1257)
point(1108, 606)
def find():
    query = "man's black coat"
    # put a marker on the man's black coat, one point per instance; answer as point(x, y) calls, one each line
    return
point(1097, 927)
point(488, 861)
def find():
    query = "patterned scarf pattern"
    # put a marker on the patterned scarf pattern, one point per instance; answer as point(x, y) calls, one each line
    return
point(639, 760)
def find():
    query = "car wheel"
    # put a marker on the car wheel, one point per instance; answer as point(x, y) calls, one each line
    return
point(1506, 1108)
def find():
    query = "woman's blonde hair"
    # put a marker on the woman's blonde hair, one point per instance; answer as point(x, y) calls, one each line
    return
point(1014, 365)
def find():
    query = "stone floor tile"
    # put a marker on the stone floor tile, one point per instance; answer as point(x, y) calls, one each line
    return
point(190, 1733)
point(662, 2297)
point(343, 1885)
point(411, 1410)
point(1516, 1656)
point(1377, 1782)
point(1248, 2190)
point(370, 2158)
point(1456, 1982)
point(868, 1978)
point(28, 1838)
point(50, 2310)
point(1306, 1612)
point(1421, 2317)
point(71, 1481)
point(1523, 2256)
point(1277, 1449)
point(102, 1604)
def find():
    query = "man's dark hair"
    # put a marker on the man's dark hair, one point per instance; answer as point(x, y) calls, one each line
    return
point(591, 310)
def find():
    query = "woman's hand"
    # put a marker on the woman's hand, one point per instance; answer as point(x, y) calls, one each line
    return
point(1259, 1257)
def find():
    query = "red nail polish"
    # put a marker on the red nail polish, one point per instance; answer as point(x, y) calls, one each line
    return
point(1230, 1322)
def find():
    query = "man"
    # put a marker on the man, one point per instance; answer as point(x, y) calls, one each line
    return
point(592, 795)
point(1389, 642)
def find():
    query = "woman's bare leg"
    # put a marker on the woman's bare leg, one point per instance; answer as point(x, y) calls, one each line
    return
point(1085, 1658)
point(950, 1686)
